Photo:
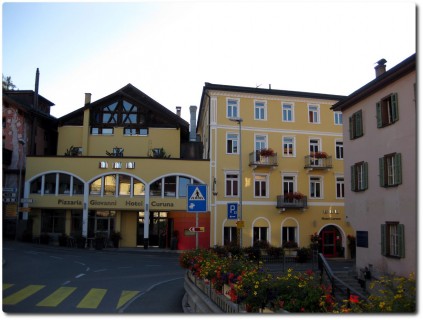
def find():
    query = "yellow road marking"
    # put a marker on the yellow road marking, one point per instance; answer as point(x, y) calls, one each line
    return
point(56, 297)
point(92, 299)
point(125, 297)
point(7, 286)
point(22, 294)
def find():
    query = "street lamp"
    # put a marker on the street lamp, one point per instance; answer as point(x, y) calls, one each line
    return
point(239, 121)
point(21, 156)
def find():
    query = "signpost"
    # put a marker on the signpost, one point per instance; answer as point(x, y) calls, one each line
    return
point(197, 202)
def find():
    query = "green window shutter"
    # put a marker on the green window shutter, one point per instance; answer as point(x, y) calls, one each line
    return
point(353, 180)
point(358, 124)
point(401, 240)
point(379, 114)
point(398, 168)
point(383, 247)
point(382, 172)
point(394, 104)
point(365, 176)
point(351, 127)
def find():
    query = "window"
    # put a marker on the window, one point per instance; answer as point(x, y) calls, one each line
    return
point(390, 170)
point(117, 152)
point(315, 187)
point(260, 110)
point(288, 146)
point(340, 188)
point(359, 173)
point(230, 235)
point(260, 186)
point(110, 185)
point(135, 131)
point(339, 150)
point(101, 131)
point(173, 186)
point(95, 187)
point(288, 184)
point(337, 117)
point(50, 183)
point(289, 234)
point(53, 221)
point(138, 187)
point(127, 186)
point(36, 185)
point(170, 186)
point(260, 234)
point(232, 108)
point(313, 114)
point(387, 110)
point(393, 240)
point(124, 185)
point(117, 165)
point(260, 142)
point(183, 186)
point(287, 112)
point(64, 184)
point(231, 185)
point(356, 125)
point(78, 186)
point(231, 143)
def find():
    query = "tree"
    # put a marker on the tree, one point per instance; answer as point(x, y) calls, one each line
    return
point(7, 83)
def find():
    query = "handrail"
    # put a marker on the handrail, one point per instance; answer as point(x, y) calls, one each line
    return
point(343, 287)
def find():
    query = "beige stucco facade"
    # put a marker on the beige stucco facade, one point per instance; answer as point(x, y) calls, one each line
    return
point(370, 209)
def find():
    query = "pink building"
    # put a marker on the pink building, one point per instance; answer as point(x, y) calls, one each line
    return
point(380, 160)
point(28, 129)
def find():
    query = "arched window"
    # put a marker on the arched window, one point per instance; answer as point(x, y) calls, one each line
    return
point(57, 184)
point(171, 186)
point(117, 184)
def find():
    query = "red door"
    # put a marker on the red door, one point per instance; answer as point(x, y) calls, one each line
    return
point(329, 243)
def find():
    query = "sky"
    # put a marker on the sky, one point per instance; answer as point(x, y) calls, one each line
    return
point(169, 49)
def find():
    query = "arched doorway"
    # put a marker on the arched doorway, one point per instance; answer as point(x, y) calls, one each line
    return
point(331, 243)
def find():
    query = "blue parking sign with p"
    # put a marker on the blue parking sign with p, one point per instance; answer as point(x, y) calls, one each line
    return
point(232, 211)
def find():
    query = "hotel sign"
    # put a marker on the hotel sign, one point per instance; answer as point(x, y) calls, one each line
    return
point(112, 203)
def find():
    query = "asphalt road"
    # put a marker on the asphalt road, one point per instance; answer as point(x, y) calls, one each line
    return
point(39, 279)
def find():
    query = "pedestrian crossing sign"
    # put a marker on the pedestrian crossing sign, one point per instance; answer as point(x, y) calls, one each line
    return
point(197, 198)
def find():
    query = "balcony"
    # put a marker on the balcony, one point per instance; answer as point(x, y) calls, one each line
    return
point(263, 159)
point(318, 160)
point(292, 200)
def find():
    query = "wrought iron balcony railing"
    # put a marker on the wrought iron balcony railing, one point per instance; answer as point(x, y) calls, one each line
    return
point(288, 201)
point(313, 162)
point(258, 160)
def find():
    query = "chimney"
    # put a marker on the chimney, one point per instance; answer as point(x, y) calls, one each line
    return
point(380, 68)
point(178, 111)
point(193, 124)
point(87, 98)
point(37, 80)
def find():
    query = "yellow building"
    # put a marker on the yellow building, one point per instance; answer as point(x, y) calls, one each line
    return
point(124, 162)
point(291, 167)
point(123, 165)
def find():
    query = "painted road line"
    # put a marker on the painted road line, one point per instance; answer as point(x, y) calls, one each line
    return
point(92, 299)
point(80, 275)
point(56, 297)
point(22, 294)
point(125, 297)
point(7, 286)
